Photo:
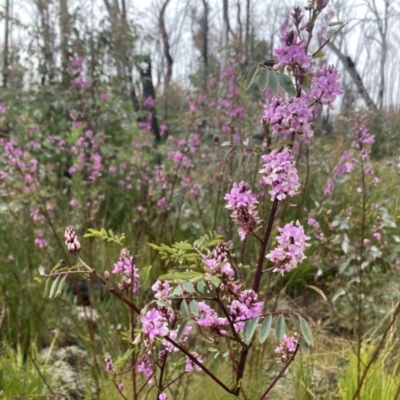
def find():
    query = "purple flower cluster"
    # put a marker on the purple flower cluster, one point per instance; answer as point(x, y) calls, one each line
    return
point(243, 206)
point(330, 186)
point(345, 166)
point(190, 365)
point(109, 364)
point(325, 86)
point(361, 135)
point(245, 308)
point(290, 249)
point(209, 318)
point(168, 346)
point(288, 345)
point(126, 266)
point(280, 173)
point(216, 263)
point(292, 54)
point(145, 366)
point(288, 117)
point(40, 240)
point(154, 324)
point(162, 290)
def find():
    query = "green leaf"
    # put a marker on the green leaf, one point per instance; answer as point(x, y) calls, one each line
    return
point(330, 33)
point(194, 308)
point(46, 287)
point(304, 347)
point(127, 355)
point(180, 277)
point(319, 54)
point(280, 328)
point(265, 329)
point(41, 271)
point(307, 80)
point(163, 303)
point(181, 330)
point(335, 23)
point(60, 285)
point(188, 287)
point(287, 85)
point(305, 330)
point(263, 79)
point(249, 329)
point(319, 291)
point(185, 310)
point(295, 322)
point(178, 291)
point(225, 144)
point(273, 82)
point(200, 286)
point(214, 280)
point(250, 77)
point(53, 287)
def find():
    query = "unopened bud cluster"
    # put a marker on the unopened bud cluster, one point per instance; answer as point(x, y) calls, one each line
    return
point(71, 240)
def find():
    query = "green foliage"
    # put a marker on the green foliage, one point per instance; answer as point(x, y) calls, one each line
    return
point(109, 235)
point(382, 379)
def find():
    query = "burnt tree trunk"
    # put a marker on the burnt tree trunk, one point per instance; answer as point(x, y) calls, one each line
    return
point(351, 69)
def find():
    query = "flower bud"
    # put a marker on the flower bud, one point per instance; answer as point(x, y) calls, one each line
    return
point(121, 287)
point(71, 240)
point(106, 275)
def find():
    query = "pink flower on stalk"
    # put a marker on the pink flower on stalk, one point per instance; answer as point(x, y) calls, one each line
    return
point(345, 166)
point(243, 206)
point(109, 364)
point(361, 134)
point(288, 345)
point(290, 249)
point(192, 106)
point(330, 185)
point(154, 324)
point(216, 262)
point(292, 54)
point(280, 173)
point(162, 289)
point(245, 308)
point(163, 129)
point(162, 396)
point(40, 241)
point(2, 108)
point(74, 202)
point(289, 117)
point(149, 102)
point(209, 318)
point(126, 266)
point(325, 86)
point(146, 366)
point(190, 365)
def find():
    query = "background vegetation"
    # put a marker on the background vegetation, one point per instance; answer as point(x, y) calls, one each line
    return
point(113, 117)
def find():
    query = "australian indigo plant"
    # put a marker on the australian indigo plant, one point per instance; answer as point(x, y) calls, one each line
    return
point(203, 298)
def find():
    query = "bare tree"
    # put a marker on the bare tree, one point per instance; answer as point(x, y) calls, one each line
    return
point(377, 31)
point(47, 33)
point(64, 36)
point(350, 67)
point(6, 42)
point(165, 39)
point(226, 30)
point(246, 45)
